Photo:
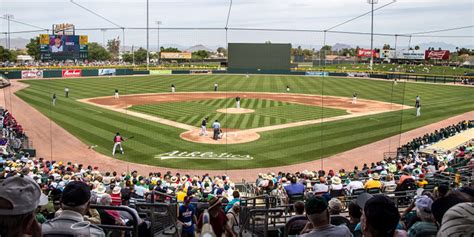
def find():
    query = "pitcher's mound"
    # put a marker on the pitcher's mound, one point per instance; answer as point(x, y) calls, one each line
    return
point(235, 111)
point(229, 136)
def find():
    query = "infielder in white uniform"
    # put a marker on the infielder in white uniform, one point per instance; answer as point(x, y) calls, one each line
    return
point(354, 98)
point(54, 99)
point(204, 127)
point(237, 102)
point(116, 95)
point(418, 106)
point(173, 88)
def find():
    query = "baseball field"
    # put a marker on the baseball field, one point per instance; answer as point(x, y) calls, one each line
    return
point(315, 119)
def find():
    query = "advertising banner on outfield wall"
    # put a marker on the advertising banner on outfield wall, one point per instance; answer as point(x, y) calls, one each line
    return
point(437, 54)
point(72, 73)
point(317, 74)
point(410, 54)
point(172, 55)
point(365, 53)
point(107, 72)
point(160, 72)
point(31, 74)
point(198, 71)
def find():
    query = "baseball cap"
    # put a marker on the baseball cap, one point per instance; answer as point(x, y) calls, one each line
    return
point(76, 193)
point(423, 203)
point(22, 194)
point(316, 205)
point(362, 199)
point(381, 214)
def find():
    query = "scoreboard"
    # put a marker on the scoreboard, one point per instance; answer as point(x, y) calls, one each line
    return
point(252, 57)
point(63, 47)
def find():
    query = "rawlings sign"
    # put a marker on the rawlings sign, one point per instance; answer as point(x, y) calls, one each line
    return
point(72, 72)
point(437, 54)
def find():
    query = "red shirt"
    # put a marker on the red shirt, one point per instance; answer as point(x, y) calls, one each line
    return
point(118, 138)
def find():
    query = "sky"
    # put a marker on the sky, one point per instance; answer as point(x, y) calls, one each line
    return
point(401, 17)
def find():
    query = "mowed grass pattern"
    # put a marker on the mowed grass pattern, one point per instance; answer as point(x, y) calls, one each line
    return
point(97, 126)
point(267, 112)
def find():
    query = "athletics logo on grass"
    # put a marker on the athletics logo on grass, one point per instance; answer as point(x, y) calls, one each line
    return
point(201, 156)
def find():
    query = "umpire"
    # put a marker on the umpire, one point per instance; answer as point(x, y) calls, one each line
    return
point(217, 128)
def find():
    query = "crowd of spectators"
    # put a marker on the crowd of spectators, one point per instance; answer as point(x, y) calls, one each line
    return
point(436, 136)
point(316, 197)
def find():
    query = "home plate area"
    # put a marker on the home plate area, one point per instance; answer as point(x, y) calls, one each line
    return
point(228, 136)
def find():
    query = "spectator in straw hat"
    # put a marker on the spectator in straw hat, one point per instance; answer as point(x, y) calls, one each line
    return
point(336, 183)
point(374, 182)
point(217, 218)
point(116, 196)
point(20, 196)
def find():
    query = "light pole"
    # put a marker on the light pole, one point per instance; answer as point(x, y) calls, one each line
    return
point(103, 36)
point(158, 49)
point(372, 2)
point(147, 36)
point(8, 17)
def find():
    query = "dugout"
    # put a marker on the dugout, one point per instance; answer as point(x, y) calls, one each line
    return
point(267, 58)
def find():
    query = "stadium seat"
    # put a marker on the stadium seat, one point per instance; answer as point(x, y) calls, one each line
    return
point(357, 192)
point(295, 198)
point(390, 188)
point(373, 190)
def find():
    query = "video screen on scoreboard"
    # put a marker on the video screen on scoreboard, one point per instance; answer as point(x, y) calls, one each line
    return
point(63, 47)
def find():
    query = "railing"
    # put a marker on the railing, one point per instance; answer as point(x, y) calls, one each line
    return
point(130, 230)
point(162, 216)
point(260, 221)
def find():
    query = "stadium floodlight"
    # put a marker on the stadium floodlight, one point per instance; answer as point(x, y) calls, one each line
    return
point(8, 17)
point(103, 36)
point(372, 3)
point(147, 35)
point(158, 50)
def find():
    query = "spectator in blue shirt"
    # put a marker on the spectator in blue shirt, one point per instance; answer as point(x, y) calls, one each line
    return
point(187, 217)
point(295, 188)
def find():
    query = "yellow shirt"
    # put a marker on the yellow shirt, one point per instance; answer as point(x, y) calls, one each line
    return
point(180, 196)
point(373, 184)
point(421, 183)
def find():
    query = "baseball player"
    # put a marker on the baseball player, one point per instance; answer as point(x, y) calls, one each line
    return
point(215, 86)
point(354, 98)
point(217, 128)
point(204, 127)
point(54, 99)
point(287, 88)
point(116, 95)
point(173, 88)
point(418, 106)
point(117, 143)
point(66, 92)
point(237, 102)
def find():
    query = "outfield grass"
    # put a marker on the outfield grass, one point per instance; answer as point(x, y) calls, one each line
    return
point(267, 112)
point(97, 126)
